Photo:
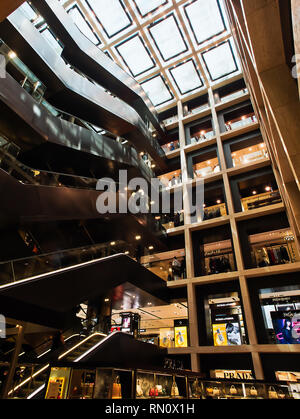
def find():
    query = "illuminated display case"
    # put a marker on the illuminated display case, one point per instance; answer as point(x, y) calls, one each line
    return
point(114, 384)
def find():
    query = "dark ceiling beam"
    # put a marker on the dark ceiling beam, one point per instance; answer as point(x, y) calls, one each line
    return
point(88, 58)
point(9, 6)
point(69, 91)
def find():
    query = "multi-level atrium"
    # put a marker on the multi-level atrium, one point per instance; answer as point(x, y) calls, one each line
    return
point(116, 292)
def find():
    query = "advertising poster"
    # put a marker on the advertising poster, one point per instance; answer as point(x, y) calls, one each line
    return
point(166, 338)
point(286, 327)
point(226, 331)
point(220, 337)
point(181, 340)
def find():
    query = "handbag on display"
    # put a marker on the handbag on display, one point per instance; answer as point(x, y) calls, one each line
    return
point(174, 389)
point(281, 394)
point(116, 389)
point(139, 391)
point(209, 391)
point(253, 391)
point(233, 390)
point(272, 393)
point(216, 391)
point(153, 392)
point(159, 389)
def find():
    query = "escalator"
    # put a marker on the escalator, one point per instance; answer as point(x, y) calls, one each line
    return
point(80, 52)
point(46, 140)
point(72, 92)
point(51, 297)
point(35, 376)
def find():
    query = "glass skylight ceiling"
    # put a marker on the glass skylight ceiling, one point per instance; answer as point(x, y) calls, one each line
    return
point(83, 24)
point(205, 18)
point(186, 77)
point(111, 14)
point(173, 48)
point(157, 90)
point(146, 6)
point(220, 61)
point(135, 55)
point(168, 38)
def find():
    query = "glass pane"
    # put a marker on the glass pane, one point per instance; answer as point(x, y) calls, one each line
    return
point(83, 25)
point(220, 61)
point(157, 90)
point(28, 11)
point(135, 55)
point(111, 14)
point(47, 34)
point(168, 38)
point(205, 19)
point(186, 77)
point(146, 6)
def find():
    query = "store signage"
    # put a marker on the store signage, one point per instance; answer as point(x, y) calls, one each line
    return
point(233, 374)
point(166, 338)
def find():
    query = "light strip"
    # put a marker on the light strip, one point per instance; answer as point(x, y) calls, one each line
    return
point(92, 348)
point(80, 343)
point(36, 391)
point(22, 281)
point(48, 365)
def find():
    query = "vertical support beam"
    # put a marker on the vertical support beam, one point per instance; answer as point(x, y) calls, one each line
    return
point(13, 362)
point(195, 362)
point(248, 311)
point(189, 254)
point(257, 365)
point(192, 309)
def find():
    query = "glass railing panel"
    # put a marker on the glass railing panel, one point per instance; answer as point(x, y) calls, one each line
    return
point(260, 200)
point(234, 95)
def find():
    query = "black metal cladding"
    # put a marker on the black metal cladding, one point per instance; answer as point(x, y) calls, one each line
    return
point(84, 55)
point(71, 92)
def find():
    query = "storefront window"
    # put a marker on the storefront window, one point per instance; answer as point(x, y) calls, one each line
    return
point(226, 319)
point(273, 248)
point(218, 258)
point(281, 314)
point(172, 146)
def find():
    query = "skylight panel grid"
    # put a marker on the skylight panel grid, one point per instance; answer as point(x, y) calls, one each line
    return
point(157, 90)
point(83, 25)
point(220, 61)
point(186, 77)
point(111, 15)
point(168, 37)
point(135, 55)
point(144, 7)
point(205, 19)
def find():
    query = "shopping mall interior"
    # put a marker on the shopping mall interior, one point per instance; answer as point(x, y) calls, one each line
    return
point(172, 302)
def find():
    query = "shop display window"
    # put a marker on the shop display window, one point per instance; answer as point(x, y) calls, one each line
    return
point(195, 388)
point(214, 205)
point(281, 314)
point(82, 384)
point(271, 248)
point(113, 384)
point(218, 257)
point(255, 191)
point(226, 320)
point(58, 383)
